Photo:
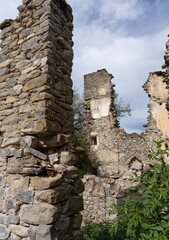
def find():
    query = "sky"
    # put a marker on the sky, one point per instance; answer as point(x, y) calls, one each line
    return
point(127, 37)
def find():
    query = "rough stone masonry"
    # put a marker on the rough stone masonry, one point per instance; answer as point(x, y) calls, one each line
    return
point(116, 155)
point(39, 185)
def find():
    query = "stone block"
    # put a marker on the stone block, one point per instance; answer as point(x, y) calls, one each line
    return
point(5, 63)
point(32, 232)
point(4, 232)
point(11, 82)
point(54, 158)
point(3, 219)
point(18, 182)
point(10, 205)
point(46, 126)
point(36, 153)
point(77, 235)
point(77, 220)
point(62, 226)
point(78, 186)
point(28, 141)
point(35, 83)
point(1, 192)
point(25, 196)
point(19, 230)
point(137, 165)
point(56, 195)
point(44, 232)
point(73, 173)
point(57, 140)
point(13, 219)
point(14, 237)
point(17, 90)
point(42, 183)
point(11, 141)
point(39, 214)
point(74, 205)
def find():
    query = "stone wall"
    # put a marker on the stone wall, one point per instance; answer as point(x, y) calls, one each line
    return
point(39, 186)
point(116, 155)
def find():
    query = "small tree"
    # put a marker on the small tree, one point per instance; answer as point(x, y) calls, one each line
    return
point(79, 110)
point(122, 109)
point(146, 216)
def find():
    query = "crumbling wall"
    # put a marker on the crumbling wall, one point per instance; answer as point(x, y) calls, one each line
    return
point(115, 154)
point(39, 187)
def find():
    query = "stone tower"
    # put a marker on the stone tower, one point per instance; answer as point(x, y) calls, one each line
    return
point(39, 187)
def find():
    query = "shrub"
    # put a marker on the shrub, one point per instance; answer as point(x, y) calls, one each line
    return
point(99, 231)
point(145, 215)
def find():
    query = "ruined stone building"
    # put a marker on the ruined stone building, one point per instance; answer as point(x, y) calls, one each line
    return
point(40, 187)
point(115, 154)
point(39, 190)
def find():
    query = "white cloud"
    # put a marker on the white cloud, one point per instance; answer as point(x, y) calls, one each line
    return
point(122, 9)
point(129, 59)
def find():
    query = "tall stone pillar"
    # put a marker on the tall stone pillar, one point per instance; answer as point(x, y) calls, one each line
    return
point(101, 121)
point(39, 185)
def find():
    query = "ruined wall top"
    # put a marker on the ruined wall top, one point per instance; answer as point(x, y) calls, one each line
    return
point(97, 84)
point(35, 80)
point(35, 67)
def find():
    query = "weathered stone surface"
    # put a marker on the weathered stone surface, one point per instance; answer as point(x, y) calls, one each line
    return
point(73, 206)
point(19, 230)
point(12, 219)
point(69, 158)
point(30, 43)
point(77, 220)
point(44, 232)
point(14, 237)
point(42, 183)
point(5, 23)
point(77, 235)
point(28, 141)
point(32, 232)
point(62, 227)
point(54, 158)
point(3, 219)
point(44, 126)
point(36, 153)
point(57, 141)
point(5, 63)
point(4, 71)
point(28, 165)
point(10, 205)
point(42, 213)
point(25, 196)
point(18, 182)
point(11, 82)
point(12, 141)
point(78, 186)
point(73, 173)
point(4, 232)
point(35, 83)
point(54, 196)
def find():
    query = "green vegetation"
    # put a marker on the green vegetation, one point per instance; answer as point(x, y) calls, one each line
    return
point(122, 109)
point(145, 213)
point(99, 231)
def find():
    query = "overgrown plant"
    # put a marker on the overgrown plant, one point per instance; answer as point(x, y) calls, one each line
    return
point(96, 231)
point(145, 216)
